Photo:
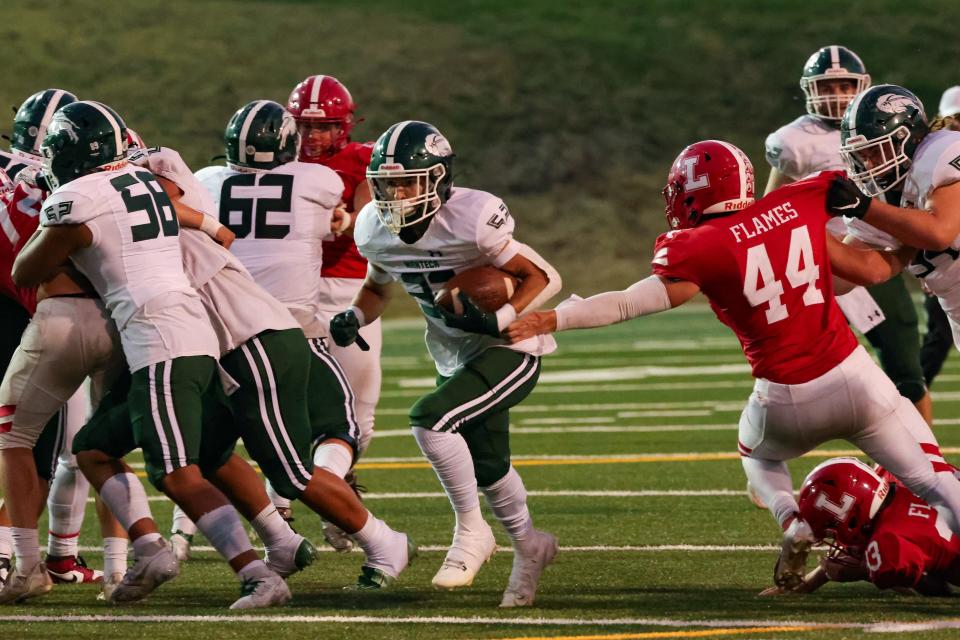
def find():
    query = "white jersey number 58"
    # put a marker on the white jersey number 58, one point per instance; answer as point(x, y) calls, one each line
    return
point(760, 271)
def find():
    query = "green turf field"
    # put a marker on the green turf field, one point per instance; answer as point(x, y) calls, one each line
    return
point(628, 450)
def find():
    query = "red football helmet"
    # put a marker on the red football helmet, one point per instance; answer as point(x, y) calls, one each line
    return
point(321, 100)
point(839, 500)
point(134, 141)
point(708, 177)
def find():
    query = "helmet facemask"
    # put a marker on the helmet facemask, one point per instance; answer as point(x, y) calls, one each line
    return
point(880, 164)
point(829, 105)
point(391, 181)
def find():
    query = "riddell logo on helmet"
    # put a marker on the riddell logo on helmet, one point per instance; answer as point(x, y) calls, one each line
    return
point(113, 166)
point(736, 205)
point(313, 113)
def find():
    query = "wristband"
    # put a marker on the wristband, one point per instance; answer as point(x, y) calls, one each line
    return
point(505, 315)
point(210, 226)
point(359, 314)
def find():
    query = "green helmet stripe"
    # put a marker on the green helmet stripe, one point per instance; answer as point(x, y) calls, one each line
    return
point(245, 129)
point(117, 132)
point(834, 57)
point(392, 143)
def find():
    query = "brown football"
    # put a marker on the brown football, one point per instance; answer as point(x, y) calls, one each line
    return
point(487, 286)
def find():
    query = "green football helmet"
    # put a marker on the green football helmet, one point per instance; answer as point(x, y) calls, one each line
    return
point(825, 66)
point(410, 174)
point(878, 135)
point(32, 119)
point(260, 136)
point(83, 137)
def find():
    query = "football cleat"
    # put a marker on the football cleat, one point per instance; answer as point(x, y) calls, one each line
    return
point(259, 593)
point(373, 578)
point(180, 543)
point(755, 497)
point(337, 538)
point(527, 567)
point(20, 587)
point(109, 585)
point(466, 555)
point(5, 567)
point(71, 570)
point(147, 573)
point(286, 562)
point(792, 563)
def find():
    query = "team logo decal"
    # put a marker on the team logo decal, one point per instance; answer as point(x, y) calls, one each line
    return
point(894, 103)
point(437, 145)
point(64, 124)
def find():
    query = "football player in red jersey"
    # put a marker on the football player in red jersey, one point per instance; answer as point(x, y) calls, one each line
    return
point(877, 530)
point(324, 111)
point(767, 269)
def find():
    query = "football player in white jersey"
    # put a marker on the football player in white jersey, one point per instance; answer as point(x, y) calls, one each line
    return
point(265, 351)
point(883, 313)
point(904, 187)
point(117, 226)
point(421, 231)
point(283, 250)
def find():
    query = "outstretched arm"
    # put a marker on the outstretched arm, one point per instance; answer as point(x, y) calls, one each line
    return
point(650, 295)
point(864, 266)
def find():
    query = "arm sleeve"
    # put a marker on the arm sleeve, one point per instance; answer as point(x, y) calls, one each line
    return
point(641, 298)
point(899, 562)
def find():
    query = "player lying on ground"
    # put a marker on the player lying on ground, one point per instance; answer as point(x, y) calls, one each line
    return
point(878, 531)
point(767, 269)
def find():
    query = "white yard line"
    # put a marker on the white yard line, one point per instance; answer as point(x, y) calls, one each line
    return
point(877, 627)
point(590, 428)
point(607, 388)
point(598, 548)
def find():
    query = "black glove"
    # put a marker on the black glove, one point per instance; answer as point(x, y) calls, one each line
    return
point(844, 198)
point(473, 320)
point(345, 328)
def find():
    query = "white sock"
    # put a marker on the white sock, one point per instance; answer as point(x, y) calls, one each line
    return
point(6, 542)
point(771, 480)
point(67, 504)
point(114, 555)
point(335, 458)
point(182, 522)
point(271, 528)
point(147, 544)
point(381, 544)
point(26, 544)
point(224, 530)
point(507, 498)
point(124, 496)
point(278, 501)
point(253, 570)
point(450, 457)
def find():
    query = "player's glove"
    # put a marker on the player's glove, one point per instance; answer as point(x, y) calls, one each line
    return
point(344, 328)
point(473, 320)
point(844, 198)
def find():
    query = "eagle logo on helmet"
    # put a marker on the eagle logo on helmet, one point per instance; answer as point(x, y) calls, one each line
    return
point(894, 103)
point(437, 145)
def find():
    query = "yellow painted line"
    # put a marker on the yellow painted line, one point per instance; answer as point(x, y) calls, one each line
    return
point(653, 457)
point(673, 634)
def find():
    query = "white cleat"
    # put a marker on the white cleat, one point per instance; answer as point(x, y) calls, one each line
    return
point(109, 585)
point(792, 563)
point(297, 556)
point(20, 587)
point(337, 538)
point(466, 555)
point(180, 543)
point(260, 593)
point(527, 567)
point(755, 497)
point(146, 574)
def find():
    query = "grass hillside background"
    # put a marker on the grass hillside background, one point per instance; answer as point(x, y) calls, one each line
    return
point(571, 112)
